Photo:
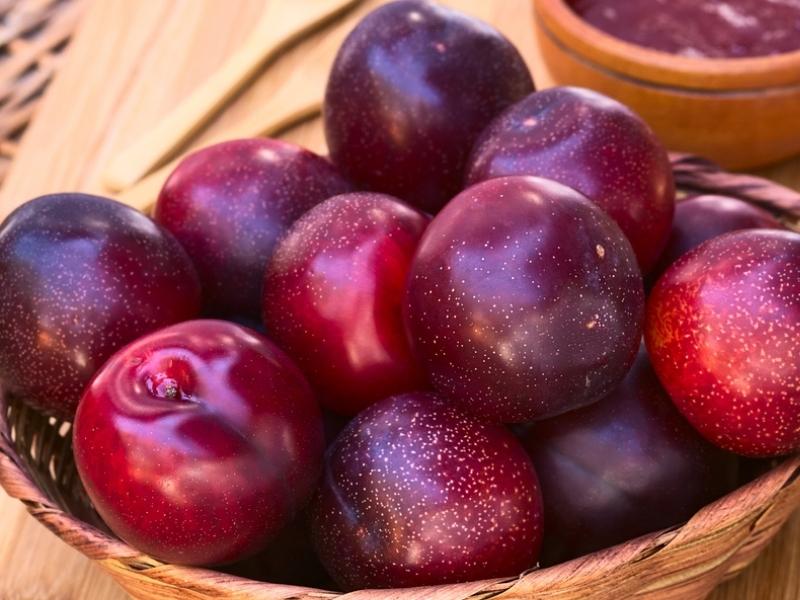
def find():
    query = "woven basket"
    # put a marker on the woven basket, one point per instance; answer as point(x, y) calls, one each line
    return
point(33, 35)
point(682, 563)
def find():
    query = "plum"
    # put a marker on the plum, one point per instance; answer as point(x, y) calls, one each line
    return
point(81, 276)
point(199, 443)
point(228, 204)
point(722, 331)
point(594, 144)
point(416, 492)
point(524, 300)
point(289, 559)
point(701, 218)
point(333, 298)
point(410, 90)
point(625, 466)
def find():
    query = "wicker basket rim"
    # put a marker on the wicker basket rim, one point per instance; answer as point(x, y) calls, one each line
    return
point(753, 500)
point(750, 504)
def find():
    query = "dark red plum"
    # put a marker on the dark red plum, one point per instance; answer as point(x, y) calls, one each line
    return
point(591, 143)
point(704, 217)
point(416, 492)
point(229, 203)
point(722, 332)
point(524, 300)
point(289, 559)
point(625, 466)
point(199, 443)
point(333, 297)
point(411, 88)
point(80, 277)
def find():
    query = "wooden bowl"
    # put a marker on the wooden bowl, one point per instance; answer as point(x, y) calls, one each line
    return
point(681, 563)
point(742, 112)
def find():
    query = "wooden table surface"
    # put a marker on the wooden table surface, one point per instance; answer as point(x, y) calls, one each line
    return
point(128, 64)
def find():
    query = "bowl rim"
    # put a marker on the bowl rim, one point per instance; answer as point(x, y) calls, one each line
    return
point(557, 19)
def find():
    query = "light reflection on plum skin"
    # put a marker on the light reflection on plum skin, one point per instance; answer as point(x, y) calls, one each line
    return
point(417, 493)
point(625, 466)
point(81, 276)
point(206, 475)
point(722, 331)
point(333, 295)
point(229, 203)
point(591, 143)
point(549, 324)
point(411, 88)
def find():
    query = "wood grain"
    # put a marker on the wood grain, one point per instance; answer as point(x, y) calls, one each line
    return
point(129, 64)
point(279, 27)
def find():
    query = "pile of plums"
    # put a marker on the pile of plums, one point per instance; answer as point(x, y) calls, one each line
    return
point(420, 361)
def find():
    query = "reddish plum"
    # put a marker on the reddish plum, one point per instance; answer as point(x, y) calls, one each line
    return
point(198, 443)
point(417, 493)
point(333, 298)
point(594, 144)
point(228, 204)
point(722, 331)
point(81, 276)
point(623, 467)
point(411, 88)
point(701, 218)
point(524, 300)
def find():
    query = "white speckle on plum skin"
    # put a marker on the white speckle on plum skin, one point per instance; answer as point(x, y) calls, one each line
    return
point(415, 492)
point(593, 144)
point(203, 478)
point(498, 306)
point(81, 276)
point(396, 120)
point(230, 202)
point(333, 297)
point(723, 331)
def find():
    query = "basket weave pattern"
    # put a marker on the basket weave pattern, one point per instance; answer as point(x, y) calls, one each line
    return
point(684, 563)
point(33, 35)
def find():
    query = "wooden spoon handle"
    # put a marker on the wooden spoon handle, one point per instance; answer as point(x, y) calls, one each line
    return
point(282, 24)
point(292, 105)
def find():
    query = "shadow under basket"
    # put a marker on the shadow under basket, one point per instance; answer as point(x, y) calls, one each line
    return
point(682, 563)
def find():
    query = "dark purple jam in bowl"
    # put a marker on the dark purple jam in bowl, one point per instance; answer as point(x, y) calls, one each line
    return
point(699, 28)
